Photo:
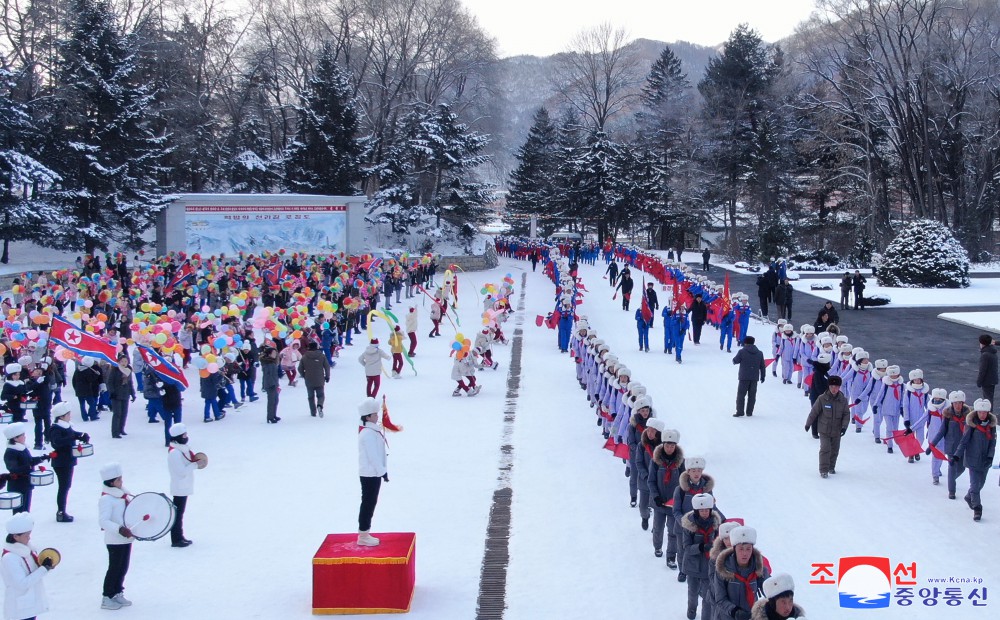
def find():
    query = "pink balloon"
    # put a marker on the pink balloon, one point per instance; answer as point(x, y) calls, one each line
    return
point(213, 368)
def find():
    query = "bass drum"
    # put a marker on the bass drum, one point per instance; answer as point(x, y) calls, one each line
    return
point(149, 516)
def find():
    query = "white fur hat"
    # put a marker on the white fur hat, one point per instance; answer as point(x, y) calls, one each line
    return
point(636, 388)
point(60, 409)
point(939, 393)
point(825, 340)
point(87, 362)
point(656, 424)
point(13, 430)
point(956, 396)
point(859, 353)
point(642, 401)
point(782, 322)
point(881, 364)
point(726, 528)
point(20, 523)
point(742, 535)
point(779, 584)
point(25, 360)
point(111, 471)
point(12, 369)
point(841, 339)
point(981, 405)
point(823, 358)
point(846, 348)
point(671, 436)
point(808, 329)
point(624, 372)
point(915, 374)
point(178, 429)
point(892, 370)
point(367, 407)
point(702, 500)
point(788, 328)
point(694, 462)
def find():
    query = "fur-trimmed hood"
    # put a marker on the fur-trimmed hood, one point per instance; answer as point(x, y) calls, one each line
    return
point(973, 419)
point(922, 389)
point(717, 547)
point(688, 522)
point(857, 368)
point(887, 380)
point(685, 482)
point(662, 459)
point(759, 611)
point(756, 561)
point(636, 418)
point(958, 416)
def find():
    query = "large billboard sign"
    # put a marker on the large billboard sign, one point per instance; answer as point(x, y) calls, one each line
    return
point(212, 229)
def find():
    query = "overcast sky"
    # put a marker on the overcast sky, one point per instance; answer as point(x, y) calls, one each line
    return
point(544, 27)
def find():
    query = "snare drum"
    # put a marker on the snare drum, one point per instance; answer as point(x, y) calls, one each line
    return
point(42, 477)
point(149, 515)
point(83, 449)
point(10, 500)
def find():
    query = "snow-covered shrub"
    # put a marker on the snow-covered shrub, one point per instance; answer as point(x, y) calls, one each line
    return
point(820, 286)
point(816, 260)
point(877, 299)
point(924, 255)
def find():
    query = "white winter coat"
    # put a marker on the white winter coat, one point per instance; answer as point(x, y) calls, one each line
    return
point(372, 451)
point(371, 358)
point(483, 343)
point(24, 592)
point(111, 515)
point(411, 321)
point(463, 368)
point(181, 463)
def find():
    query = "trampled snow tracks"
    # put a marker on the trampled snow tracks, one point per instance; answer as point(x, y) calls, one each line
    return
point(493, 575)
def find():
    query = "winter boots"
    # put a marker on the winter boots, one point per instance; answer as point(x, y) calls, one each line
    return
point(110, 603)
point(475, 390)
point(936, 481)
point(457, 392)
point(367, 540)
point(977, 513)
point(645, 523)
point(658, 553)
point(62, 517)
point(671, 562)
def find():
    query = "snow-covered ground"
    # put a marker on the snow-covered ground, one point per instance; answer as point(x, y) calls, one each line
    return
point(271, 493)
point(981, 292)
point(989, 321)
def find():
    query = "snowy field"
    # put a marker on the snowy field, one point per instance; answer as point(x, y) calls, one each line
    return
point(271, 493)
point(981, 292)
point(989, 321)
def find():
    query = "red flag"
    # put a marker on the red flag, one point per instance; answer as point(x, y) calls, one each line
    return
point(610, 444)
point(80, 342)
point(907, 443)
point(621, 451)
point(937, 453)
point(539, 319)
point(769, 362)
point(797, 367)
point(727, 302)
point(647, 314)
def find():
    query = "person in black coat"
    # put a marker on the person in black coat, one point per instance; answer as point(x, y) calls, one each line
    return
point(64, 439)
point(121, 389)
point(783, 299)
point(752, 369)
point(14, 392)
point(831, 311)
point(763, 293)
point(87, 382)
point(846, 284)
point(612, 271)
point(987, 377)
point(20, 462)
point(699, 314)
point(625, 284)
point(652, 300)
point(39, 402)
point(859, 289)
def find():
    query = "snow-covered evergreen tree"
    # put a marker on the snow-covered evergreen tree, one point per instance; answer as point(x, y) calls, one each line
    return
point(22, 214)
point(595, 186)
point(325, 156)
point(924, 255)
point(532, 183)
point(99, 136)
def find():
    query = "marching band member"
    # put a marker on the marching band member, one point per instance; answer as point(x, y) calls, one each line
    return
point(24, 592)
point(182, 463)
point(117, 537)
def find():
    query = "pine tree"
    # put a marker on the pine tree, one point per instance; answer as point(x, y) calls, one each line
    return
point(666, 80)
point(22, 214)
point(325, 157)
point(448, 153)
point(924, 254)
point(99, 136)
point(595, 187)
point(532, 184)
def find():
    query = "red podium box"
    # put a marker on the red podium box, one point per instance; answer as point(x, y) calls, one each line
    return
point(351, 579)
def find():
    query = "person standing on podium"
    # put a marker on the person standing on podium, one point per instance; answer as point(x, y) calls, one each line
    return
point(372, 455)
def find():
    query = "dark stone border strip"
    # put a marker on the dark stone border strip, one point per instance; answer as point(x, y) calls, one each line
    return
point(493, 576)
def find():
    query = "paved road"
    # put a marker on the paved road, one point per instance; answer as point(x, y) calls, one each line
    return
point(947, 352)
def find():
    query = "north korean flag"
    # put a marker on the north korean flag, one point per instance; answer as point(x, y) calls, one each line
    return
point(164, 369)
point(275, 273)
point(182, 275)
point(80, 342)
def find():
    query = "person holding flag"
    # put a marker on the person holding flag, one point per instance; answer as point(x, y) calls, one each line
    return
point(653, 302)
point(643, 321)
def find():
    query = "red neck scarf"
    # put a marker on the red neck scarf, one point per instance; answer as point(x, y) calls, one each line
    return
point(986, 430)
point(749, 585)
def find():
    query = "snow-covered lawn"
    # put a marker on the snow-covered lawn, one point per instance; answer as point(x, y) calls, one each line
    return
point(271, 493)
point(989, 321)
point(982, 292)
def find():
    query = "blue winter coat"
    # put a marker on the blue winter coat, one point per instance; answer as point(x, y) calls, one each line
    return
point(952, 429)
point(686, 490)
point(979, 443)
point(729, 593)
point(664, 473)
point(697, 537)
point(63, 440)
